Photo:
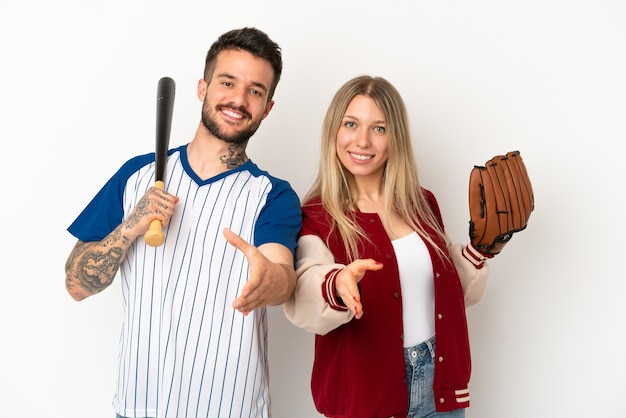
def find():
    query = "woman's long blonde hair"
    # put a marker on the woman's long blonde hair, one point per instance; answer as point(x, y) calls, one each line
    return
point(335, 185)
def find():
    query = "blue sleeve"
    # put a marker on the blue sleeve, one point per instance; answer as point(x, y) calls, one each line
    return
point(281, 218)
point(106, 210)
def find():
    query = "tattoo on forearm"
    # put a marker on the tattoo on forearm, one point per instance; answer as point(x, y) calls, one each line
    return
point(141, 209)
point(112, 237)
point(95, 270)
point(79, 248)
point(236, 156)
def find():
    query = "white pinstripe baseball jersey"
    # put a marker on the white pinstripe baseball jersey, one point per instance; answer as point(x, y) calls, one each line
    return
point(184, 351)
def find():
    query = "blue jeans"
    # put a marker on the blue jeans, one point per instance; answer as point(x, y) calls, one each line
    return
point(420, 373)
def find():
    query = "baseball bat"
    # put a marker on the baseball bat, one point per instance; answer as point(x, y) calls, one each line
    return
point(166, 90)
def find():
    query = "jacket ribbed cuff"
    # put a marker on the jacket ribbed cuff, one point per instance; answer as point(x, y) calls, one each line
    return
point(474, 256)
point(328, 291)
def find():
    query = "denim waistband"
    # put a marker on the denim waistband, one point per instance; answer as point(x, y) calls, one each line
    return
point(420, 350)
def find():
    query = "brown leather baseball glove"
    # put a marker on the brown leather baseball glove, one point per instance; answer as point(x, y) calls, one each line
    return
point(500, 202)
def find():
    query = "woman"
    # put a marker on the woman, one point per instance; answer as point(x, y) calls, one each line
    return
point(378, 281)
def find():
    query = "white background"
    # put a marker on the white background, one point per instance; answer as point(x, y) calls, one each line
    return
point(547, 77)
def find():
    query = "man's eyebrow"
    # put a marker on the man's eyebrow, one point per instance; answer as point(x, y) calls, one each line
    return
point(260, 85)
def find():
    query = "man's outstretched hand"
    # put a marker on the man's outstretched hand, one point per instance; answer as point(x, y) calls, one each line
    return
point(272, 276)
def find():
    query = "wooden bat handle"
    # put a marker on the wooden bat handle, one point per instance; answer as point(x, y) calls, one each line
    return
point(154, 236)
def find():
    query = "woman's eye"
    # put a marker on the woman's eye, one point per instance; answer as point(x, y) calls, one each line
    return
point(380, 129)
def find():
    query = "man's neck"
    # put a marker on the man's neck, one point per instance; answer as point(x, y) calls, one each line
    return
point(209, 156)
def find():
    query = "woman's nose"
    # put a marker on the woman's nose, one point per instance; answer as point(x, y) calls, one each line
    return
point(362, 139)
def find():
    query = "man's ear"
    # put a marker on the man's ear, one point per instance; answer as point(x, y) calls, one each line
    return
point(268, 107)
point(202, 86)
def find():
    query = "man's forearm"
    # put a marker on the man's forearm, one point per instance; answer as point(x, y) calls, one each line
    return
point(92, 266)
point(289, 277)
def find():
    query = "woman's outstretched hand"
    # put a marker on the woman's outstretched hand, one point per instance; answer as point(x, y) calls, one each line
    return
point(347, 280)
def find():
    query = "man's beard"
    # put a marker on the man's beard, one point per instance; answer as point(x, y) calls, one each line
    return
point(240, 138)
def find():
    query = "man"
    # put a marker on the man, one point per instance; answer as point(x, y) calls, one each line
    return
point(194, 337)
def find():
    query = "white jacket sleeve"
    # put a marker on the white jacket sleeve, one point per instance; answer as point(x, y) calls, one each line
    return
point(307, 308)
point(473, 279)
